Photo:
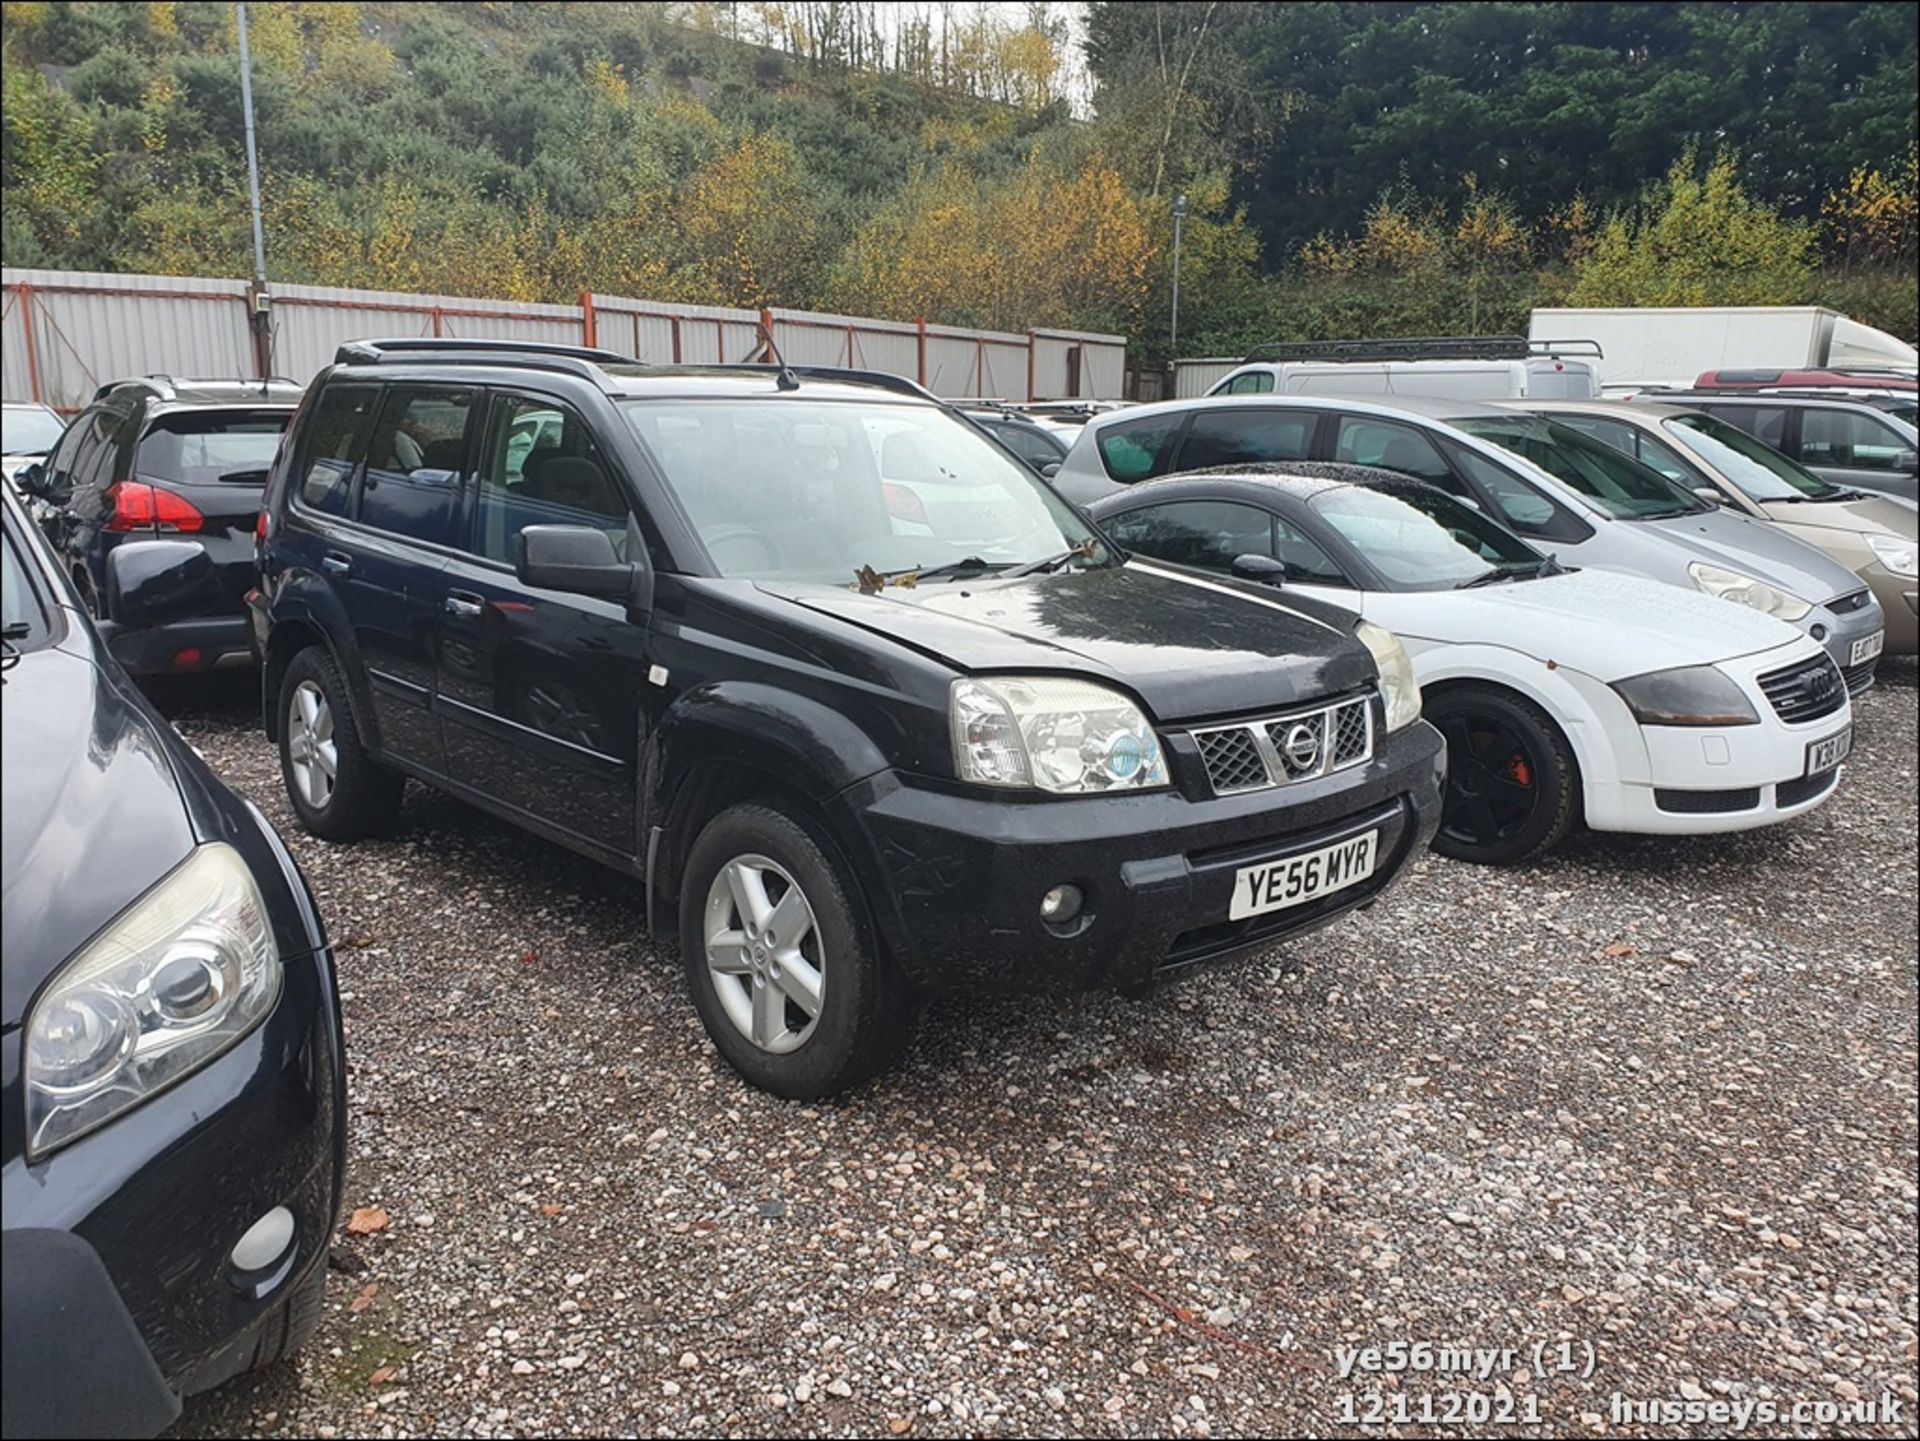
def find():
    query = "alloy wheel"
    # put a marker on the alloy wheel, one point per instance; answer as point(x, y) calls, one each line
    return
point(764, 953)
point(311, 751)
point(1493, 787)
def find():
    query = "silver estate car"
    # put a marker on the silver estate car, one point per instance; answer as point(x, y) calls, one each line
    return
point(1566, 492)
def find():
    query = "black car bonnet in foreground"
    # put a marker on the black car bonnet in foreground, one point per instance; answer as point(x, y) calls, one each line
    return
point(1187, 645)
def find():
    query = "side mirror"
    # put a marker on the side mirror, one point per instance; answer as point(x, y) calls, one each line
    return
point(578, 559)
point(151, 582)
point(1050, 469)
point(1263, 569)
point(1709, 493)
point(1908, 461)
point(32, 480)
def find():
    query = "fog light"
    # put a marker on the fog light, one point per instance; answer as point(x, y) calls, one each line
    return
point(1062, 903)
point(266, 1241)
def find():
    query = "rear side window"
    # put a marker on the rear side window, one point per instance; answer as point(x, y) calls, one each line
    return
point(1242, 437)
point(411, 485)
point(1846, 438)
point(1392, 447)
point(1209, 534)
point(336, 444)
point(1139, 449)
point(204, 447)
point(1254, 382)
point(539, 465)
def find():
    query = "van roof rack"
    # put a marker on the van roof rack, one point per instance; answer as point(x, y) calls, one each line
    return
point(1425, 347)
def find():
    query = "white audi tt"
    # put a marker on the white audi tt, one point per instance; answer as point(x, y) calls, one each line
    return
point(1564, 695)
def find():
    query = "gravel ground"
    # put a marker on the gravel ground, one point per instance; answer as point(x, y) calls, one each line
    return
point(1653, 1097)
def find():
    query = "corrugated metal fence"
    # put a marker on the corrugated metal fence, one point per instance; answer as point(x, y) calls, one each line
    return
point(68, 332)
point(1197, 377)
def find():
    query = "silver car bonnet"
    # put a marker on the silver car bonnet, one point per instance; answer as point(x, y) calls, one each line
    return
point(1759, 550)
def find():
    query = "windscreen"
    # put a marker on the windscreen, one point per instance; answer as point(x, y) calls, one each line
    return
point(1761, 472)
point(822, 490)
point(1418, 537)
point(1617, 483)
point(29, 430)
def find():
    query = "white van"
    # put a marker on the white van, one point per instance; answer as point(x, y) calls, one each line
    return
point(1443, 368)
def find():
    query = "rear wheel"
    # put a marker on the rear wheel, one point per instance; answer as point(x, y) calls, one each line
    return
point(783, 964)
point(1512, 786)
point(339, 791)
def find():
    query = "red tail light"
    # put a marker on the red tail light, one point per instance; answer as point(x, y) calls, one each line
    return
point(139, 506)
point(260, 529)
point(903, 504)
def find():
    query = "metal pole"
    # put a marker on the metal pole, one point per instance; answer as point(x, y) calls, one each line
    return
point(1173, 334)
point(262, 335)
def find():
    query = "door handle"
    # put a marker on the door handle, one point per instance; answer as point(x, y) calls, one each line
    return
point(462, 603)
point(336, 563)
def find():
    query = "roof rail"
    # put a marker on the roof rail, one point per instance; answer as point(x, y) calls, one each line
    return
point(372, 352)
point(527, 354)
point(1426, 347)
point(881, 379)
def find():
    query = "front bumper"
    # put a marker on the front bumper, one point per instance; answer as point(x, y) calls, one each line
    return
point(955, 875)
point(1899, 597)
point(1839, 631)
point(198, 643)
point(1699, 780)
point(124, 1298)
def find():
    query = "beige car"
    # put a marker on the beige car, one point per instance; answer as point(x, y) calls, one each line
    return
point(1871, 535)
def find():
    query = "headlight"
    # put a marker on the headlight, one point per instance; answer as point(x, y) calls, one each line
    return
point(1069, 736)
point(1745, 590)
point(1895, 554)
point(1695, 695)
point(1398, 688)
point(188, 970)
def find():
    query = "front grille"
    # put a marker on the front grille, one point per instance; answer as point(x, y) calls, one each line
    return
point(1848, 603)
point(1706, 803)
point(1793, 793)
point(1806, 690)
point(1233, 760)
point(1277, 750)
point(1860, 677)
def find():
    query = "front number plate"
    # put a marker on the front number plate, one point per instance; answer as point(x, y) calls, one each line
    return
point(1867, 647)
point(1275, 885)
point(1824, 755)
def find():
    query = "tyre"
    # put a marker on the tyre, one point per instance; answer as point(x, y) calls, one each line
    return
point(293, 1325)
point(784, 965)
point(1512, 785)
point(339, 791)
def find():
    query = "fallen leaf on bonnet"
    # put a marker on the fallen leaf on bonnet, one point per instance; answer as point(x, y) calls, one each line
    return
point(366, 1220)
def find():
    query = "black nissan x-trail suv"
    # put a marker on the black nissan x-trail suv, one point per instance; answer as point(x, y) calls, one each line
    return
point(864, 706)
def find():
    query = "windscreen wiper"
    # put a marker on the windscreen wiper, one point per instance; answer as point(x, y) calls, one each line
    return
point(1512, 570)
point(1053, 562)
point(871, 582)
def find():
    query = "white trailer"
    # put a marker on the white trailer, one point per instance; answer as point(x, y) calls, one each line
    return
point(1671, 345)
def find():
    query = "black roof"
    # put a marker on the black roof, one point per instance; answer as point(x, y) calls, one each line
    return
point(621, 375)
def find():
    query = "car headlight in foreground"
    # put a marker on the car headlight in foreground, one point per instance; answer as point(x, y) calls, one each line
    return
point(184, 973)
point(1053, 734)
point(1694, 695)
point(1398, 689)
point(1895, 554)
point(1745, 590)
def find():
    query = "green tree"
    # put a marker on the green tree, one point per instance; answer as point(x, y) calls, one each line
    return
point(1698, 240)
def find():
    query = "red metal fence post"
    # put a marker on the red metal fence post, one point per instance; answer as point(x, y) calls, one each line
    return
point(589, 323)
point(25, 292)
point(920, 328)
point(766, 332)
point(676, 338)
